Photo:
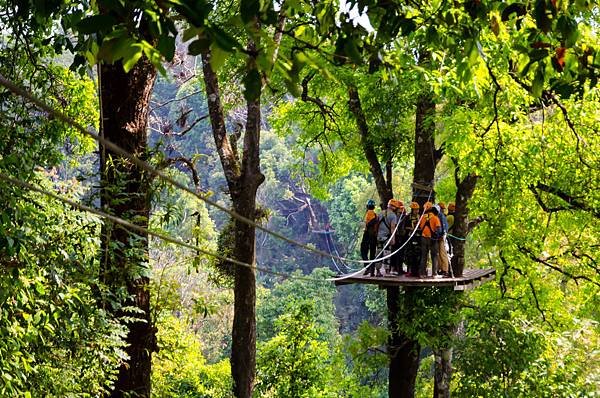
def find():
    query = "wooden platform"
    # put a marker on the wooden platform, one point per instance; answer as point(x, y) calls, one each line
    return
point(471, 278)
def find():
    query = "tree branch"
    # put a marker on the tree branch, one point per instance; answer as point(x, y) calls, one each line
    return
point(554, 267)
point(189, 164)
point(531, 287)
point(573, 202)
point(355, 107)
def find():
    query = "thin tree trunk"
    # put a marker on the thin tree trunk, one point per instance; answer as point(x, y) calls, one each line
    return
point(443, 372)
point(243, 179)
point(125, 193)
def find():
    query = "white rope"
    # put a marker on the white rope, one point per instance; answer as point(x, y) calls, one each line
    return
point(391, 254)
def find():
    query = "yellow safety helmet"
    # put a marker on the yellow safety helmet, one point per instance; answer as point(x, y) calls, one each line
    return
point(451, 206)
point(442, 205)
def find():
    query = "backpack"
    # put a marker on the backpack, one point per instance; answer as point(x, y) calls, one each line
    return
point(373, 226)
point(435, 235)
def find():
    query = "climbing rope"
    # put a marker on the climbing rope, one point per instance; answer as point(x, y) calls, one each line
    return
point(456, 237)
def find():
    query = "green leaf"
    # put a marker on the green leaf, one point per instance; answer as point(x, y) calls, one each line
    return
point(198, 46)
point(166, 46)
point(538, 54)
point(568, 29)
point(407, 25)
point(252, 85)
point(293, 87)
point(95, 23)
point(194, 11)
point(131, 60)
point(190, 33)
point(352, 51)
point(224, 39)
point(537, 85)
point(123, 47)
point(218, 56)
point(249, 9)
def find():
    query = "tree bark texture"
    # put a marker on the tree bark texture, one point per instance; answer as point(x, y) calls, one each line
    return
point(425, 152)
point(464, 192)
point(443, 372)
point(125, 193)
point(243, 179)
point(403, 351)
point(384, 188)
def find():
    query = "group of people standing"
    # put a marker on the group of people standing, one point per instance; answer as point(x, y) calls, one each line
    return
point(418, 236)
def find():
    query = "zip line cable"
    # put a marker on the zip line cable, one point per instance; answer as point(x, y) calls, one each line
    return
point(11, 86)
point(147, 167)
point(137, 228)
point(332, 259)
point(337, 253)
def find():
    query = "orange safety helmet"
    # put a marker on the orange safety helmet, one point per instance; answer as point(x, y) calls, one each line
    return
point(451, 206)
point(396, 203)
point(414, 205)
point(427, 206)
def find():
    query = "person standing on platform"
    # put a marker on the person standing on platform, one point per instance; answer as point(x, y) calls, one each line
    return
point(368, 245)
point(450, 218)
point(387, 223)
point(396, 263)
point(431, 232)
point(443, 253)
point(412, 250)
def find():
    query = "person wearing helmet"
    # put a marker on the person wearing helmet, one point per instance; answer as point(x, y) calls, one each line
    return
point(368, 245)
point(431, 232)
point(443, 259)
point(412, 250)
point(398, 257)
point(387, 223)
point(450, 218)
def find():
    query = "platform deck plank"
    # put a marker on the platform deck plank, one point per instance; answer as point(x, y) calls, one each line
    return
point(471, 278)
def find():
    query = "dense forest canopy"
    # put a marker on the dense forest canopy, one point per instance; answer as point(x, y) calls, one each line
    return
point(182, 181)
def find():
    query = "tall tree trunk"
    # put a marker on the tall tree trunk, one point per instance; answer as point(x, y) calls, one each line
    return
point(243, 178)
point(464, 192)
point(404, 367)
point(403, 351)
point(125, 193)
